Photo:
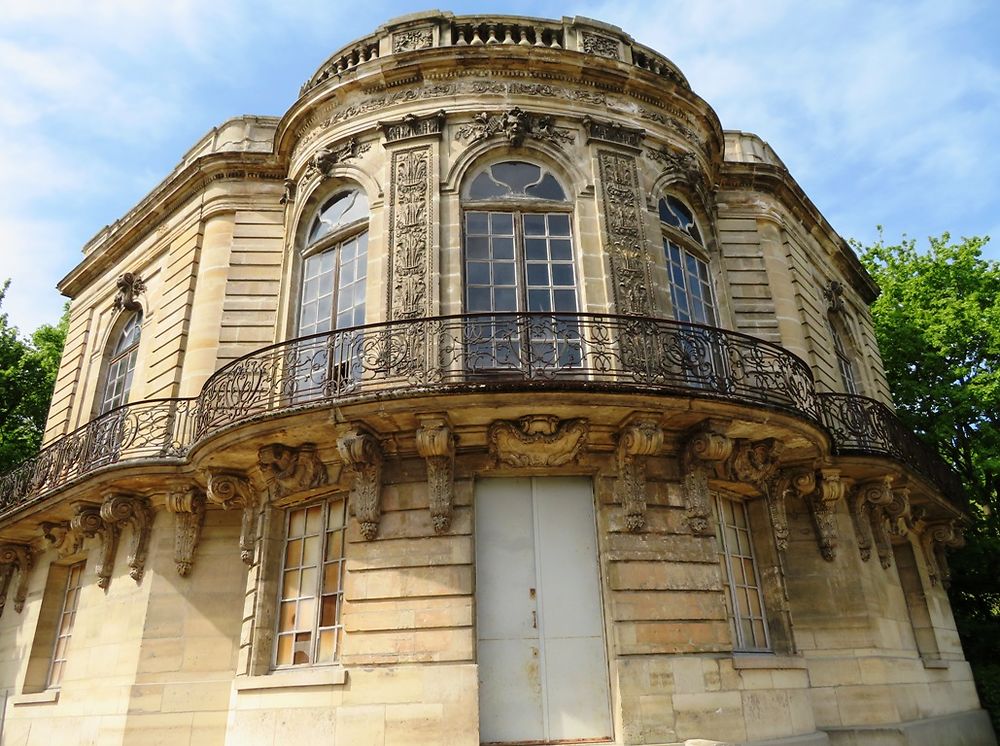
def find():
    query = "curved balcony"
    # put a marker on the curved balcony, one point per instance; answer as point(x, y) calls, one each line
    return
point(467, 353)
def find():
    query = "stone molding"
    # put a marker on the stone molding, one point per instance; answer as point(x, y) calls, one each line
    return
point(641, 438)
point(136, 512)
point(683, 165)
point(363, 455)
point(88, 522)
point(536, 441)
point(289, 470)
point(232, 489)
point(514, 125)
point(436, 444)
point(188, 507)
point(14, 558)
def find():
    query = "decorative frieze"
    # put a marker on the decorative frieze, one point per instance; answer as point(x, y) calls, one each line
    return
point(436, 444)
point(412, 126)
point(412, 40)
point(601, 46)
point(822, 503)
point(624, 207)
point(362, 454)
point(14, 558)
point(613, 132)
point(410, 229)
point(514, 125)
point(703, 447)
point(188, 507)
point(636, 442)
point(326, 158)
point(136, 513)
point(130, 287)
point(290, 470)
point(233, 490)
point(88, 523)
point(537, 441)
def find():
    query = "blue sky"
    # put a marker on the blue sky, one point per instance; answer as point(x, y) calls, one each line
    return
point(885, 112)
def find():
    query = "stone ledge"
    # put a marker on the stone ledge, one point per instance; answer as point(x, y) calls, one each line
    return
point(765, 660)
point(48, 697)
point(936, 663)
point(327, 676)
point(971, 728)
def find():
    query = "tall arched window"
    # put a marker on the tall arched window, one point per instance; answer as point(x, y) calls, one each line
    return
point(690, 282)
point(845, 361)
point(121, 364)
point(335, 265)
point(519, 258)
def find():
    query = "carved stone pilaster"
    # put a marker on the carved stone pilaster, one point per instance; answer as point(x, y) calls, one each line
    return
point(866, 502)
point(410, 232)
point(702, 448)
point(362, 453)
point(89, 524)
point(636, 442)
point(62, 538)
point(537, 440)
point(188, 507)
point(436, 444)
point(823, 502)
point(14, 558)
point(935, 538)
point(289, 470)
point(137, 513)
point(233, 490)
point(801, 482)
point(624, 208)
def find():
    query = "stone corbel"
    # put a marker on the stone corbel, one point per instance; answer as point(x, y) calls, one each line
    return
point(88, 523)
point(14, 558)
point(289, 470)
point(801, 482)
point(188, 507)
point(362, 453)
point(702, 448)
point(233, 490)
point(753, 461)
point(537, 440)
point(899, 513)
point(866, 501)
point(436, 444)
point(136, 512)
point(823, 503)
point(62, 538)
point(934, 539)
point(636, 442)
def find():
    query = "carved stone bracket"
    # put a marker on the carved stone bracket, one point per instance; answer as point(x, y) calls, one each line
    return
point(188, 507)
point(636, 442)
point(537, 440)
point(867, 503)
point(515, 125)
point(800, 482)
point(823, 502)
point(701, 449)
point(362, 453)
point(834, 294)
point(14, 558)
point(233, 490)
point(130, 287)
point(289, 470)
point(137, 513)
point(411, 126)
point(325, 159)
point(613, 132)
point(436, 444)
point(935, 538)
point(89, 524)
point(62, 538)
point(899, 513)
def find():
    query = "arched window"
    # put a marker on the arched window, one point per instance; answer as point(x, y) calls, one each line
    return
point(335, 265)
point(845, 361)
point(121, 364)
point(690, 283)
point(519, 258)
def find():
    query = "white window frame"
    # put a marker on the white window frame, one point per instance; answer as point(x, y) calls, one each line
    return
point(732, 538)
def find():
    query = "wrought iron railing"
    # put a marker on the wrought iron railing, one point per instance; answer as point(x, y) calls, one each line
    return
point(460, 353)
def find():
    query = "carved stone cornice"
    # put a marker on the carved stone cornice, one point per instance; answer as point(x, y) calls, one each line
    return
point(326, 158)
point(289, 470)
point(703, 447)
point(515, 125)
point(936, 537)
point(136, 512)
point(232, 489)
point(412, 126)
point(798, 482)
point(637, 441)
point(89, 524)
point(867, 503)
point(14, 558)
point(188, 507)
point(130, 287)
point(536, 441)
point(436, 444)
point(362, 454)
point(613, 132)
point(823, 502)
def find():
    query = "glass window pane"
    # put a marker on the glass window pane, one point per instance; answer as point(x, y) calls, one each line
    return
point(284, 655)
point(503, 273)
point(502, 223)
point(503, 248)
point(558, 224)
point(534, 225)
point(561, 249)
point(477, 223)
point(538, 274)
point(535, 248)
point(478, 273)
point(562, 274)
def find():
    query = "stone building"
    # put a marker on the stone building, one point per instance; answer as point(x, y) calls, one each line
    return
point(492, 394)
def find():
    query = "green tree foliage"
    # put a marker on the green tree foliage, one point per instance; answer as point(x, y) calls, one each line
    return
point(27, 376)
point(938, 325)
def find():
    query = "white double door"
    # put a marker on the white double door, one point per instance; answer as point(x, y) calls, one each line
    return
point(543, 674)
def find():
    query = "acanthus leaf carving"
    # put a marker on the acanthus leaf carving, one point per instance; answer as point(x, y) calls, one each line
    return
point(899, 513)
point(753, 461)
point(537, 440)
point(188, 507)
point(88, 523)
point(702, 447)
point(601, 46)
point(436, 444)
point(14, 558)
point(233, 490)
point(410, 237)
point(636, 442)
point(130, 287)
point(515, 125)
point(822, 503)
point(290, 470)
point(136, 512)
point(412, 40)
point(361, 452)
